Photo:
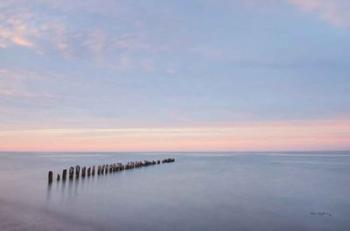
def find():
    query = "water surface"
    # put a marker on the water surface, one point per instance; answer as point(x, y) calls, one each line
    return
point(200, 191)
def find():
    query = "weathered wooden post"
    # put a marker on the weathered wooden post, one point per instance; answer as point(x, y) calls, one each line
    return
point(50, 176)
point(64, 174)
point(93, 170)
point(83, 172)
point(58, 177)
point(89, 171)
point(71, 173)
point(77, 171)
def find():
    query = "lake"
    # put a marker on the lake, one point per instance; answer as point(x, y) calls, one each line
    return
point(200, 191)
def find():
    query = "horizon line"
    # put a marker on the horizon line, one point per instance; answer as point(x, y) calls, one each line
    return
point(135, 152)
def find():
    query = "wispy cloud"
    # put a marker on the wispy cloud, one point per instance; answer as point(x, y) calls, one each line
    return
point(15, 31)
point(51, 28)
point(14, 84)
point(335, 12)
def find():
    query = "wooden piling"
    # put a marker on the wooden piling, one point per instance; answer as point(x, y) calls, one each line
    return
point(58, 177)
point(50, 177)
point(89, 171)
point(83, 172)
point(64, 174)
point(71, 173)
point(93, 170)
point(77, 171)
point(169, 160)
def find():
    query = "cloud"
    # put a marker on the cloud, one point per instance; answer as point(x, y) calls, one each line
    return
point(115, 34)
point(15, 31)
point(14, 84)
point(58, 28)
point(335, 12)
point(22, 41)
point(15, 74)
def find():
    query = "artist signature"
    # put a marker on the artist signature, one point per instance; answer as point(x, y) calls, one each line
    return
point(321, 213)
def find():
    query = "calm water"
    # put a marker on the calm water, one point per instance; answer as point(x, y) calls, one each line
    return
point(197, 192)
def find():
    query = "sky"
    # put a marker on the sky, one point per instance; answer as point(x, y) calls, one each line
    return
point(184, 75)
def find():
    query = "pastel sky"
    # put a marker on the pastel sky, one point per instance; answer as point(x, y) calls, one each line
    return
point(184, 75)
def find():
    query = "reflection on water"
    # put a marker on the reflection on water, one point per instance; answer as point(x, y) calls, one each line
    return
point(198, 192)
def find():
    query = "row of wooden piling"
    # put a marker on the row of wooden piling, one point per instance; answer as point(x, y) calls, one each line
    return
point(102, 169)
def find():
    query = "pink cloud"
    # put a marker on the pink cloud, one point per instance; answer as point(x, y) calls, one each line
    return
point(335, 12)
point(15, 31)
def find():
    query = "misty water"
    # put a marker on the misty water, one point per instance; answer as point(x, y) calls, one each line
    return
point(200, 191)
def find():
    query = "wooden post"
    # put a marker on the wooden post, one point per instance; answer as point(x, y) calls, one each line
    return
point(89, 171)
point(93, 170)
point(58, 177)
point(71, 173)
point(64, 174)
point(77, 171)
point(83, 172)
point(50, 176)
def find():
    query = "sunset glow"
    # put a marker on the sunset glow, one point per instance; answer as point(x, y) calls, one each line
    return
point(277, 136)
point(189, 76)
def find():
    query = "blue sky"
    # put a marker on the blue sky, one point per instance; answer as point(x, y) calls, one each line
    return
point(173, 64)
